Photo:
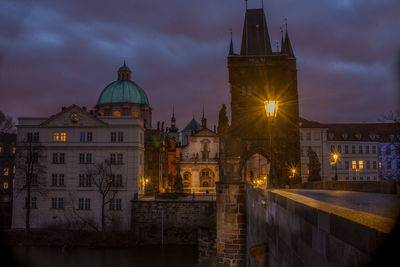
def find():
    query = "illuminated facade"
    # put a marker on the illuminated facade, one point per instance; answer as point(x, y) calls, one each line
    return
point(366, 151)
point(199, 157)
point(75, 140)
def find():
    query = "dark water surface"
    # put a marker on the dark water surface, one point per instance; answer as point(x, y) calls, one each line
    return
point(141, 256)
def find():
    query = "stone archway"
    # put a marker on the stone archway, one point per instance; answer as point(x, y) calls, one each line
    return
point(256, 169)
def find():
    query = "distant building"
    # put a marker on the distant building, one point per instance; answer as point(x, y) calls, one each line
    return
point(7, 171)
point(75, 140)
point(197, 157)
point(366, 150)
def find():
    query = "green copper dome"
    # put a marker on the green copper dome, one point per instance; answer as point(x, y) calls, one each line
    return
point(123, 90)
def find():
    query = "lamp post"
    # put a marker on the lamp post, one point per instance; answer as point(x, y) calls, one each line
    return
point(271, 109)
point(335, 157)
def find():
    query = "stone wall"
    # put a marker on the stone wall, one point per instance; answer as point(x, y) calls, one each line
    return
point(180, 220)
point(207, 243)
point(231, 224)
point(385, 187)
point(299, 231)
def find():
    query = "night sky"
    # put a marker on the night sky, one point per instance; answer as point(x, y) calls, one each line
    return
point(58, 53)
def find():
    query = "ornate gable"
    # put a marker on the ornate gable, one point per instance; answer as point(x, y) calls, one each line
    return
point(73, 116)
point(205, 132)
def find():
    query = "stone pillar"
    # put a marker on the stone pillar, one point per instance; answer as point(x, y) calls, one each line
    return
point(231, 224)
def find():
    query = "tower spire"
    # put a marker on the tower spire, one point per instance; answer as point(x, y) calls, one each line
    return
point(288, 45)
point(203, 120)
point(283, 51)
point(231, 45)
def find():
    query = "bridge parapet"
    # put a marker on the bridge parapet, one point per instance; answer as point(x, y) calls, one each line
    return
point(300, 231)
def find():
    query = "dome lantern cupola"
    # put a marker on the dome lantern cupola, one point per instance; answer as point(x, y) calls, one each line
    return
point(124, 73)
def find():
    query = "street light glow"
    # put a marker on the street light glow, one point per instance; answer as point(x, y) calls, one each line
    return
point(271, 108)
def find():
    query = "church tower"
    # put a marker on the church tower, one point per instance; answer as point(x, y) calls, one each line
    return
point(258, 74)
point(173, 131)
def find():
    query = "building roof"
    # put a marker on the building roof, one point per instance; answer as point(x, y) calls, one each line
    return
point(379, 132)
point(123, 90)
point(193, 125)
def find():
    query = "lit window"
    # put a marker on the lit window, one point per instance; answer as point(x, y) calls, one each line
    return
point(5, 185)
point(5, 171)
point(361, 164)
point(135, 114)
point(56, 137)
point(63, 137)
point(14, 150)
point(1, 149)
point(354, 164)
point(117, 113)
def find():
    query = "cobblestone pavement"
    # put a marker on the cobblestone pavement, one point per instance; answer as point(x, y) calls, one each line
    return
point(386, 205)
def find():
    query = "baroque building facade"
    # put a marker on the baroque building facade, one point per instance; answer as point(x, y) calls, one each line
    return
point(196, 157)
point(75, 141)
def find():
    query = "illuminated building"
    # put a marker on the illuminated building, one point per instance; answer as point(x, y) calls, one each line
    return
point(366, 151)
point(75, 140)
point(7, 171)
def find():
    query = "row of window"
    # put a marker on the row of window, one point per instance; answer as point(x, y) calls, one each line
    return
point(85, 158)
point(361, 149)
point(87, 137)
point(367, 178)
point(117, 113)
point(84, 137)
point(83, 203)
point(357, 164)
point(12, 150)
point(360, 164)
point(85, 180)
point(308, 136)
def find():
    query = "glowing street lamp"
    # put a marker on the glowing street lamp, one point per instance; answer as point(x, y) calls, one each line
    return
point(271, 110)
point(335, 156)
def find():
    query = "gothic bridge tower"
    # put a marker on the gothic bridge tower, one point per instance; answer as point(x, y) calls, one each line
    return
point(258, 74)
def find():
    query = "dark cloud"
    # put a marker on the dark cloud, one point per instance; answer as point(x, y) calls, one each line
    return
point(55, 53)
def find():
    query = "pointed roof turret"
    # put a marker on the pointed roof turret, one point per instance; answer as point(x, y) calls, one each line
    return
point(203, 120)
point(288, 45)
point(231, 52)
point(173, 128)
point(124, 72)
point(283, 50)
point(255, 37)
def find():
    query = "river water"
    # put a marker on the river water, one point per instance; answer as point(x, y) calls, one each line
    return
point(141, 256)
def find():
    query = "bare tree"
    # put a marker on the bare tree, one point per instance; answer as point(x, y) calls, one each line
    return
point(29, 159)
point(103, 177)
point(7, 124)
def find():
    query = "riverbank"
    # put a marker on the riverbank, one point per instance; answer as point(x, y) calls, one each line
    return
point(69, 238)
